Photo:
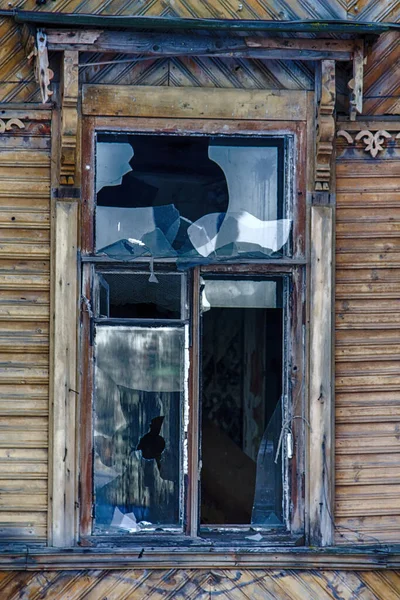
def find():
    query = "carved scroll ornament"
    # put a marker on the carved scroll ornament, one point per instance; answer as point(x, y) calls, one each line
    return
point(69, 118)
point(373, 141)
point(7, 125)
point(325, 127)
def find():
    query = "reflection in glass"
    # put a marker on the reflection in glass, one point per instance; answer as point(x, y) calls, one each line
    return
point(137, 408)
point(134, 296)
point(242, 374)
point(193, 198)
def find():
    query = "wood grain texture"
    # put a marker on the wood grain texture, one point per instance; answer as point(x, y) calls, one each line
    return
point(201, 584)
point(198, 103)
point(321, 455)
point(24, 326)
point(367, 346)
point(64, 373)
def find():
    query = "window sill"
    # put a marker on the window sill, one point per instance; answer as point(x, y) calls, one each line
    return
point(29, 558)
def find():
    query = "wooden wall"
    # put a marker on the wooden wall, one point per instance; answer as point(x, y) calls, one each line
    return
point(368, 338)
point(200, 584)
point(24, 323)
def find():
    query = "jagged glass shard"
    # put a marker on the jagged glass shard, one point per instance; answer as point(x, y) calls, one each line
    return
point(112, 163)
point(267, 507)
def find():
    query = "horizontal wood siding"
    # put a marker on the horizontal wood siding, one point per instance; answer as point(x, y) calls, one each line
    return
point(24, 325)
point(367, 346)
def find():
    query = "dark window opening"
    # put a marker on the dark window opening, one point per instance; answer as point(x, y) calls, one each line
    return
point(197, 199)
point(242, 373)
point(147, 295)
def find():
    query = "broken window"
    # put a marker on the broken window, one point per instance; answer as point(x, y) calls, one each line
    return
point(170, 210)
point(242, 378)
point(195, 199)
point(139, 395)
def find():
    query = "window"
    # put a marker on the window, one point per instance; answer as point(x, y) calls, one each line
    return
point(192, 336)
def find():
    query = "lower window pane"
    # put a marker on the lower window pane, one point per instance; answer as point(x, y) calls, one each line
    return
point(139, 388)
point(242, 378)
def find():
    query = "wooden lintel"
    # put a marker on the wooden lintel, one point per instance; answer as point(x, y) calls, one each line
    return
point(325, 126)
point(161, 44)
point(69, 117)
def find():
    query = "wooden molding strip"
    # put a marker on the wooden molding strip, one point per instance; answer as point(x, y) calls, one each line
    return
point(385, 557)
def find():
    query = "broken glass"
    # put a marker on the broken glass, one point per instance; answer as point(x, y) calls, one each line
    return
point(242, 375)
point(268, 501)
point(191, 199)
point(139, 388)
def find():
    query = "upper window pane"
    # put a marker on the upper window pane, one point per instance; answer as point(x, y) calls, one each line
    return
point(126, 295)
point(194, 199)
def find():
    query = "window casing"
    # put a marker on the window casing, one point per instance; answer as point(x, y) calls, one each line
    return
point(287, 268)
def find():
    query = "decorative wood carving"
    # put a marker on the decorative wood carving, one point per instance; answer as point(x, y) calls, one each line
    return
point(69, 117)
point(373, 141)
point(7, 125)
point(356, 82)
point(38, 52)
point(325, 126)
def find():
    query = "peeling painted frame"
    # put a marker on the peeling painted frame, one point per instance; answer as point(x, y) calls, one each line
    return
point(292, 268)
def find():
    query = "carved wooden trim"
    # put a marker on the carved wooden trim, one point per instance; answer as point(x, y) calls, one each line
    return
point(373, 141)
point(325, 127)
point(8, 124)
point(357, 81)
point(38, 52)
point(69, 117)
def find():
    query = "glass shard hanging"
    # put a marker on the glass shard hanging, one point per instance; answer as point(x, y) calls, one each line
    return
point(190, 199)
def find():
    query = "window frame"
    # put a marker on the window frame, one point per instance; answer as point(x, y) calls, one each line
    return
point(293, 267)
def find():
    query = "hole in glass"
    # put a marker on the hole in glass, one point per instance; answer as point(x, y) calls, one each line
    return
point(194, 198)
point(139, 390)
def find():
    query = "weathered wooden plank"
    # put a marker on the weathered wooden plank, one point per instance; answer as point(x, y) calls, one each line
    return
point(364, 469)
point(367, 245)
point(200, 103)
point(38, 219)
point(383, 229)
point(64, 373)
point(375, 215)
point(366, 169)
point(361, 353)
point(378, 399)
point(354, 321)
point(23, 524)
point(368, 306)
point(370, 199)
point(368, 414)
point(363, 184)
point(178, 44)
point(372, 260)
point(321, 400)
point(368, 383)
point(370, 367)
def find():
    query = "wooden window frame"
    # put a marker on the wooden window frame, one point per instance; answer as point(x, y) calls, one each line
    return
point(248, 111)
point(293, 267)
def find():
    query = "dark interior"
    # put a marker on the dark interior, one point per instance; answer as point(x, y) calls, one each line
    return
point(241, 383)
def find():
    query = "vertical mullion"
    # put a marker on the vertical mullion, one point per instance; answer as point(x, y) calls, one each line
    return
point(194, 412)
